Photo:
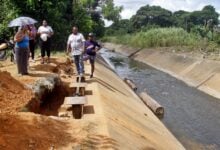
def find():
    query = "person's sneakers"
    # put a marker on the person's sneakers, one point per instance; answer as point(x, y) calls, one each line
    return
point(81, 74)
point(32, 60)
point(91, 76)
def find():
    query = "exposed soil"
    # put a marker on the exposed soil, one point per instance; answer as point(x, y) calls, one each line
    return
point(27, 132)
point(13, 94)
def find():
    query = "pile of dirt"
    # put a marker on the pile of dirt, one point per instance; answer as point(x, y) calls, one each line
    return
point(33, 132)
point(13, 94)
point(65, 68)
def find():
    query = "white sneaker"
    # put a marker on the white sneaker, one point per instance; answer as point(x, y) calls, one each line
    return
point(32, 60)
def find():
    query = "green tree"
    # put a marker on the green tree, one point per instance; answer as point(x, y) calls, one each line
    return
point(152, 15)
point(7, 13)
point(180, 18)
point(202, 17)
point(110, 11)
point(123, 26)
point(60, 14)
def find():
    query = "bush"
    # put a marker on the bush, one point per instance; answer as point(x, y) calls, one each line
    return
point(157, 37)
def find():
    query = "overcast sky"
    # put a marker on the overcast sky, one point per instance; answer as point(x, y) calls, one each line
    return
point(131, 6)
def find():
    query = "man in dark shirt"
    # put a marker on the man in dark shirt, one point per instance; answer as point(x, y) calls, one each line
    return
point(91, 47)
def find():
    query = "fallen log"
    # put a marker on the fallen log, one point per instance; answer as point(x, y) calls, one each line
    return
point(152, 104)
point(130, 84)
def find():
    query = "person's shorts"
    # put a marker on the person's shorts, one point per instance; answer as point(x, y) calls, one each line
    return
point(91, 58)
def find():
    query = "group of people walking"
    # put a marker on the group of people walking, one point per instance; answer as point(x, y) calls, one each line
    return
point(79, 48)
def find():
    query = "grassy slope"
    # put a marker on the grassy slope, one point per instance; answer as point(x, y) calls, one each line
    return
point(163, 37)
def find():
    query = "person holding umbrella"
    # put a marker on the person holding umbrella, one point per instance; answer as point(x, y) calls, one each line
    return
point(21, 40)
point(45, 33)
point(22, 50)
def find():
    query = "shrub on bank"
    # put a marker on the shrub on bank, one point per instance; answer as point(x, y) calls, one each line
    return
point(157, 37)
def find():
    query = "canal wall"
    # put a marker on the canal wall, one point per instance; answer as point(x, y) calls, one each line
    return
point(120, 115)
point(197, 72)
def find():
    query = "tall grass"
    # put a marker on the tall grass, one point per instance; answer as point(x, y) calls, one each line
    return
point(157, 37)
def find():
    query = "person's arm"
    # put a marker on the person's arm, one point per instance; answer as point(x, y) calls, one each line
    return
point(83, 42)
point(97, 47)
point(39, 31)
point(18, 36)
point(68, 47)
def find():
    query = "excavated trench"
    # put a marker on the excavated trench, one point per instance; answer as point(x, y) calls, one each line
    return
point(52, 101)
point(50, 92)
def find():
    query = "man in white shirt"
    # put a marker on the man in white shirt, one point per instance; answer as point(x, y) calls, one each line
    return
point(45, 33)
point(75, 45)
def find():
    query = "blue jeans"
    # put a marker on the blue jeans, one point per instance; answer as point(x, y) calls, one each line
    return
point(79, 63)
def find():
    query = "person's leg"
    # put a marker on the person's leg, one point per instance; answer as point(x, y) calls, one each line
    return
point(42, 47)
point(32, 46)
point(48, 44)
point(76, 60)
point(81, 64)
point(25, 60)
point(18, 59)
point(92, 62)
point(24, 55)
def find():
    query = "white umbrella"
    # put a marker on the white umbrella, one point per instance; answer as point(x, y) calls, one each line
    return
point(22, 21)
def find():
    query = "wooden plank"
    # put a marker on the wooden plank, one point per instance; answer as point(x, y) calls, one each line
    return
point(77, 84)
point(75, 100)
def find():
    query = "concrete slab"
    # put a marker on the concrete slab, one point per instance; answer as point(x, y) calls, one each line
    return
point(75, 100)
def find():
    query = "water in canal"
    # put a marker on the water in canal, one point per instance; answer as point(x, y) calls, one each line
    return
point(191, 115)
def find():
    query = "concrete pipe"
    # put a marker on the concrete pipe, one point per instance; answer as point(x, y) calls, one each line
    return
point(152, 104)
point(130, 84)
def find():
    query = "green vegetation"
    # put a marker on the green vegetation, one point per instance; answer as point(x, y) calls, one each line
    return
point(157, 37)
point(153, 26)
point(61, 15)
